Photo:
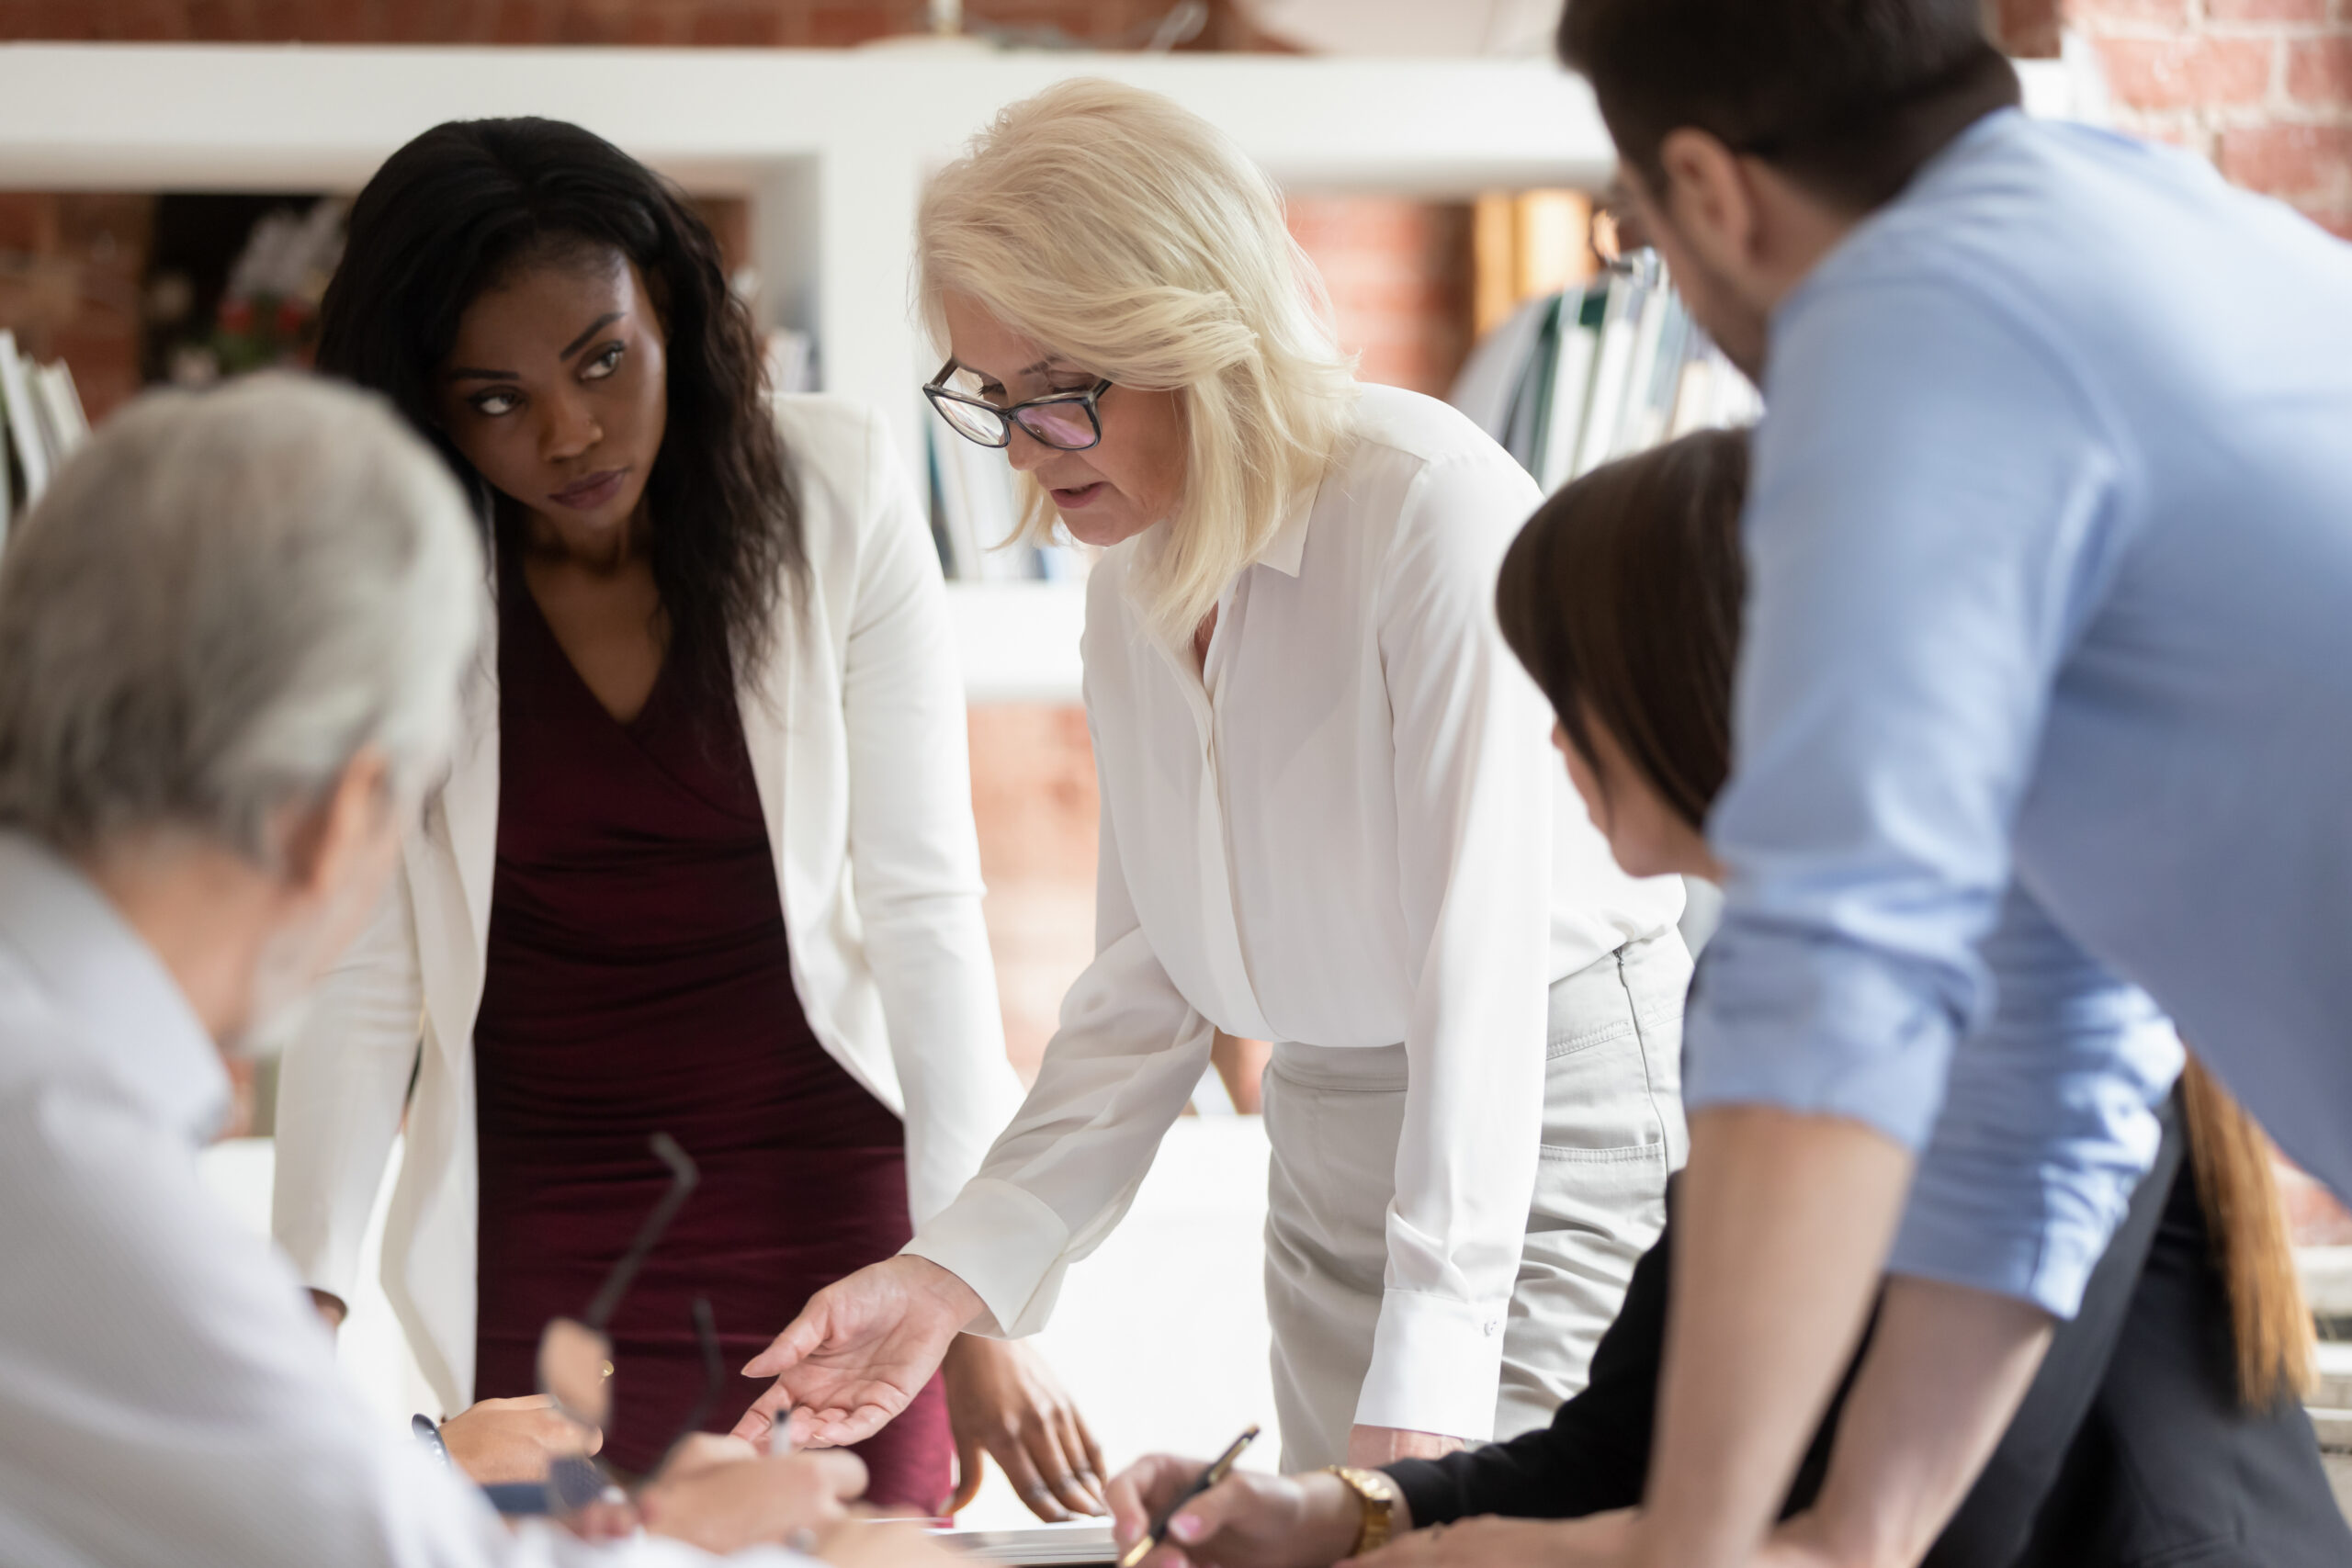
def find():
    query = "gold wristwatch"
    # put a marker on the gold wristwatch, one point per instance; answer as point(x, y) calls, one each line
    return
point(1378, 1494)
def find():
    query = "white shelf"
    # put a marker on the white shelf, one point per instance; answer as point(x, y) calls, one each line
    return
point(1018, 641)
point(832, 146)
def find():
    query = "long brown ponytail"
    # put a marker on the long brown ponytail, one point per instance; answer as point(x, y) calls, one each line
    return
point(2247, 1221)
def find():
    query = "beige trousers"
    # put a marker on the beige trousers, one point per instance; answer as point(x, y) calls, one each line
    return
point(1612, 1133)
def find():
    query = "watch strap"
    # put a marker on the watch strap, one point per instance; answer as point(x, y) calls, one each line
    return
point(428, 1433)
point(1378, 1494)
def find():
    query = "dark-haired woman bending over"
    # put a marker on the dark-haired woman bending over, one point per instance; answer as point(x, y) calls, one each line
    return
point(705, 863)
point(2163, 1426)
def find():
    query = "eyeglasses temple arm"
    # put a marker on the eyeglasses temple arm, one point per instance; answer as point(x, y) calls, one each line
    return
point(714, 1369)
point(683, 1176)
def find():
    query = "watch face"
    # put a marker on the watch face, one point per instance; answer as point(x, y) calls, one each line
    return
point(1378, 1494)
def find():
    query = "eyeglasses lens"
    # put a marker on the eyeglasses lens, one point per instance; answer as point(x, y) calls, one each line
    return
point(1064, 425)
point(983, 426)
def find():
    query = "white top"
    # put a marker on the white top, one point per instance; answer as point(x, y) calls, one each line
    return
point(855, 729)
point(167, 1396)
point(1355, 834)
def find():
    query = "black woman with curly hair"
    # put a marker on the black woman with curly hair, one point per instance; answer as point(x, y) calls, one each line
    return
point(705, 863)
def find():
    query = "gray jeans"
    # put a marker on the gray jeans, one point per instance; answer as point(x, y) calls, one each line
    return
point(1612, 1133)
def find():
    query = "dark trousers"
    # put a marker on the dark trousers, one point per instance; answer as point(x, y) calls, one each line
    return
point(2129, 1447)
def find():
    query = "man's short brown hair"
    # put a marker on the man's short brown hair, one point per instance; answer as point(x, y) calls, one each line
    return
point(1849, 98)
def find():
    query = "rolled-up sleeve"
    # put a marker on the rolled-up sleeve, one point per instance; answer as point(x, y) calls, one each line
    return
point(2097, 1055)
point(1938, 508)
point(1474, 808)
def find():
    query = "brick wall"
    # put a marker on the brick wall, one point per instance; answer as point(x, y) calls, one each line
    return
point(70, 270)
point(1400, 275)
point(805, 23)
point(70, 264)
point(1034, 796)
point(2263, 87)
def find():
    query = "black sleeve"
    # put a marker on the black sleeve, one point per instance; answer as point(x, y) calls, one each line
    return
point(1595, 1454)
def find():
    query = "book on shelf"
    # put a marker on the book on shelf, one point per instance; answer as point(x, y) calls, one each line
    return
point(1529, 411)
point(791, 361)
point(975, 511)
point(1635, 429)
point(26, 438)
point(61, 406)
point(42, 424)
point(1493, 378)
point(1572, 380)
point(972, 508)
point(1574, 356)
point(1620, 328)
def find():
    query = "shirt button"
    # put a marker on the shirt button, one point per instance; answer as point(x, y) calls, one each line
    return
point(1491, 1327)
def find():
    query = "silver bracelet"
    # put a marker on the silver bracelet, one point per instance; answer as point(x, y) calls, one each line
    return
point(427, 1432)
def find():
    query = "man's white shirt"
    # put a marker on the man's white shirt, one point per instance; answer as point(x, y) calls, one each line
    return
point(166, 1395)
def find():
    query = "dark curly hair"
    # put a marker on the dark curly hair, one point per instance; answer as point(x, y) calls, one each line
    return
point(457, 210)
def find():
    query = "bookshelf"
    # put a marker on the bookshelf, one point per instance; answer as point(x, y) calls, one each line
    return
point(831, 148)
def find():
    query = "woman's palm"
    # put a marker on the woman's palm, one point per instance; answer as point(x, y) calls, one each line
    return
point(858, 1353)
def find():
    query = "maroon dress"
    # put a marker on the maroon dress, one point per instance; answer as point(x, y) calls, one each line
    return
point(639, 981)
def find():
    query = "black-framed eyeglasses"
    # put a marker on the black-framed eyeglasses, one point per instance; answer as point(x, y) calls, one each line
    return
point(1067, 422)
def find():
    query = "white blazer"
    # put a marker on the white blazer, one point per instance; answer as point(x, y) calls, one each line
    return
point(856, 733)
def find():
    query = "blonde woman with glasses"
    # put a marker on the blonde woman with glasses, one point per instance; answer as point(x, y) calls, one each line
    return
point(1329, 820)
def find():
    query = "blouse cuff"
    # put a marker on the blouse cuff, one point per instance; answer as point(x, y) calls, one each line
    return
point(1005, 1243)
point(1436, 1363)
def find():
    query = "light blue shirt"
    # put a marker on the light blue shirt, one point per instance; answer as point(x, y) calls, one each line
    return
point(2046, 693)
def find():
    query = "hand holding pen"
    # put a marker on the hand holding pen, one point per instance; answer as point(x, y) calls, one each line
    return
point(1239, 1518)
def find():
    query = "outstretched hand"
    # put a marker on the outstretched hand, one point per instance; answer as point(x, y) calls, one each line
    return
point(858, 1353)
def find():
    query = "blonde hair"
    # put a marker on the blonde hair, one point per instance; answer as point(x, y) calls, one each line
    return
point(1133, 239)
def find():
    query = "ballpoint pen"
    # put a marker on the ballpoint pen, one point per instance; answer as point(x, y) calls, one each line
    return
point(1217, 1470)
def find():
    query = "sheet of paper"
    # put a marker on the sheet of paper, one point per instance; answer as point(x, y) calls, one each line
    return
point(1044, 1546)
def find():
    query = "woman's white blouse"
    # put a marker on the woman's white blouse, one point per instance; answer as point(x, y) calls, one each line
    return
point(856, 735)
point(1354, 833)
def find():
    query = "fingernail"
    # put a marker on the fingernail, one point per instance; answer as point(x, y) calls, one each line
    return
point(1185, 1526)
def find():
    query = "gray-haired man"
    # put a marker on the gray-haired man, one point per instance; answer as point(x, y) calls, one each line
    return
point(230, 643)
